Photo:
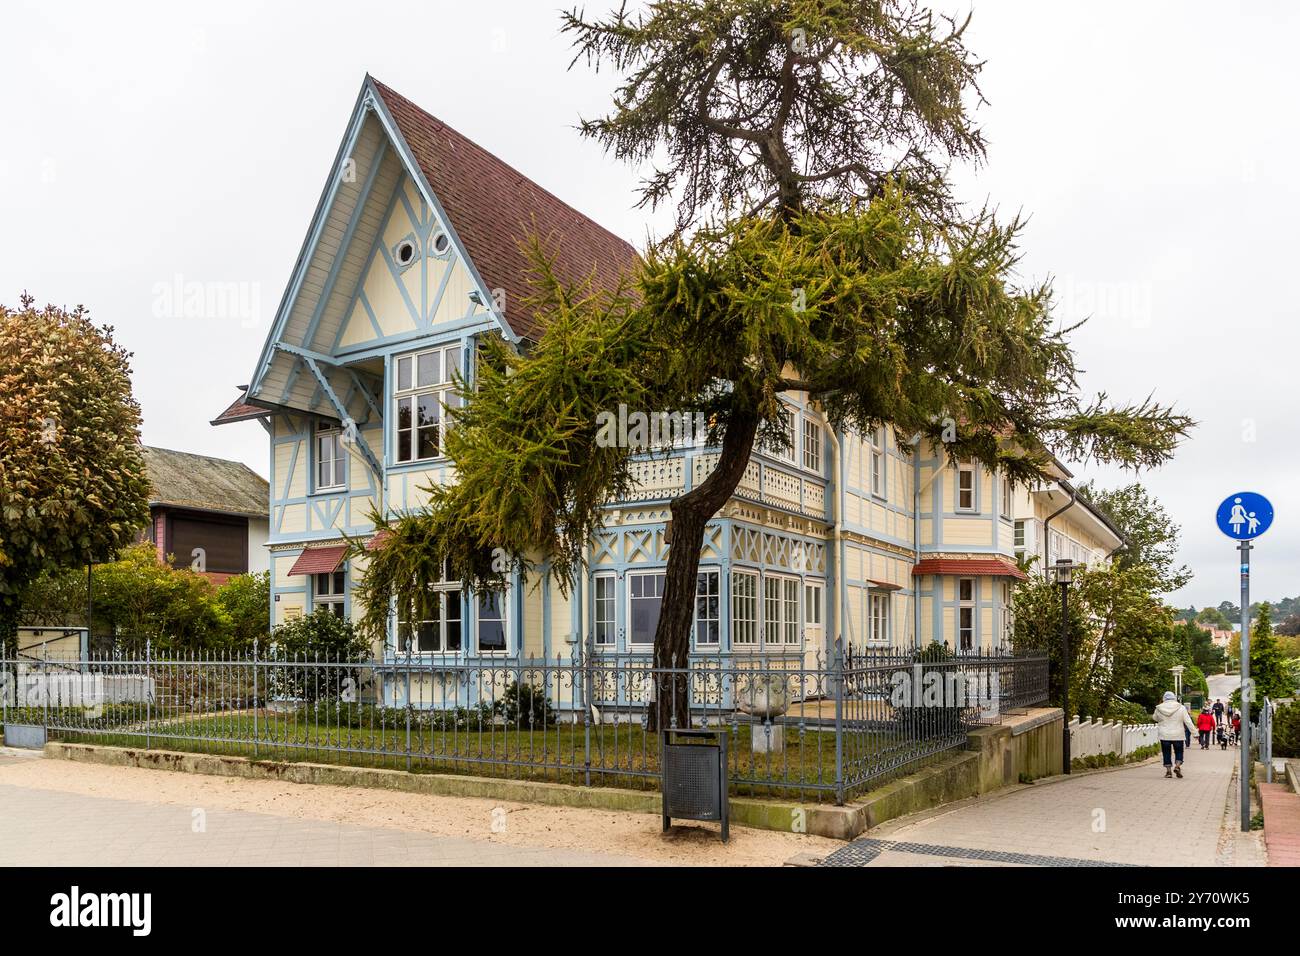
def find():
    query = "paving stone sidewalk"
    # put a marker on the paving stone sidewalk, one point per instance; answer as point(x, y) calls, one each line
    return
point(1131, 816)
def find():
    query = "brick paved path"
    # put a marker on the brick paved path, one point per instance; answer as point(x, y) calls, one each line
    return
point(1281, 823)
point(1132, 816)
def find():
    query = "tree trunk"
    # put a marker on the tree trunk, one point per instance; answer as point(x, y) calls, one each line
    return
point(690, 516)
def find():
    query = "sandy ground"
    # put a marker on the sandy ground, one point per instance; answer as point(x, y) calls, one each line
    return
point(628, 834)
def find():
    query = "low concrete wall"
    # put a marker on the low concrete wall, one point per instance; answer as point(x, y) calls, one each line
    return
point(1021, 748)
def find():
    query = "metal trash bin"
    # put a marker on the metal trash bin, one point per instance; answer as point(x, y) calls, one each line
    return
point(695, 775)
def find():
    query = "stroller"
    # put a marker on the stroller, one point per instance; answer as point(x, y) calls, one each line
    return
point(1232, 735)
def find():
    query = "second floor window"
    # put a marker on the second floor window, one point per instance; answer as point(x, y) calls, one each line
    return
point(878, 461)
point(330, 458)
point(966, 486)
point(423, 392)
point(1006, 497)
point(812, 445)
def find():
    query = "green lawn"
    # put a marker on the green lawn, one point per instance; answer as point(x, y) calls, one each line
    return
point(620, 754)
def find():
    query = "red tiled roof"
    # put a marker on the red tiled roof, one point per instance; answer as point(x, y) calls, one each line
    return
point(969, 567)
point(493, 207)
point(239, 411)
point(319, 560)
point(378, 538)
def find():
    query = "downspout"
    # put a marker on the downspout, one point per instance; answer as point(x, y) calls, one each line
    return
point(1047, 522)
point(917, 489)
point(835, 554)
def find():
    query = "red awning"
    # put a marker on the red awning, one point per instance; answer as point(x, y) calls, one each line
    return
point(319, 560)
point(968, 567)
point(884, 585)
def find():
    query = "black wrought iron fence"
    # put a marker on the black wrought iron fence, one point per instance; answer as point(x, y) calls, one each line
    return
point(815, 728)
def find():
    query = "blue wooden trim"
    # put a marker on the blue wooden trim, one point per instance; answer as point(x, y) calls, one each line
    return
point(393, 271)
point(328, 289)
point(375, 246)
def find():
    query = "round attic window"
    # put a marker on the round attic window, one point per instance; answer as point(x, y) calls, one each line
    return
point(405, 252)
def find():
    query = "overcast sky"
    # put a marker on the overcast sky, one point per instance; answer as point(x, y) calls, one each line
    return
point(1152, 144)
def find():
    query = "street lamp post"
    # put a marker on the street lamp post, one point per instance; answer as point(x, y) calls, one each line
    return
point(1064, 577)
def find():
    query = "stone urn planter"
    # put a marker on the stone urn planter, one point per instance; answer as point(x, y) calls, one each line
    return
point(765, 697)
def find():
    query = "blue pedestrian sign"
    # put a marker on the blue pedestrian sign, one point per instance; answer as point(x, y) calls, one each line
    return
point(1244, 515)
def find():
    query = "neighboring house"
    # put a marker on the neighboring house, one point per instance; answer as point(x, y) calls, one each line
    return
point(411, 256)
point(208, 514)
point(1219, 636)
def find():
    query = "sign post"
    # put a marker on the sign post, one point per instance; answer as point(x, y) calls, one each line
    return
point(1244, 517)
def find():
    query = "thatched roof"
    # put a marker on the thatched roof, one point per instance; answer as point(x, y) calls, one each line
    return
point(181, 480)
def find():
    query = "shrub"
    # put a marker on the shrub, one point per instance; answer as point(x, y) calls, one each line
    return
point(325, 645)
point(526, 705)
point(1286, 731)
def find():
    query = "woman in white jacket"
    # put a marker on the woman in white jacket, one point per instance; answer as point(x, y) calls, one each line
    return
point(1173, 725)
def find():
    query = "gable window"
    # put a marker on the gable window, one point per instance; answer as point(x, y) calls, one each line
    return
point(744, 608)
point(645, 594)
point(438, 628)
point(708, 609)
point(879, 618)
point(423, 393)
point(966, 486)
point(812, 445)
point(328, 593)
point(604, 619)
point(878, 461)
point(965, 613)
point(492, 622)
point(330, 458)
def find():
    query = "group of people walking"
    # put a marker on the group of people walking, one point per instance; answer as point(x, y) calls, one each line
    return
point(1218, 723)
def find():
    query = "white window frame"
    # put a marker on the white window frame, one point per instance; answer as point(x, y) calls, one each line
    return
point(814, 596)
point(1019, 538)
point(441, 388)
point(967, 606)
point(711, 578)
point(966, 469)
point(444, 632)
point(789, 452)
point(782, 620)
point(333, 596)
point(338, 462)
point(876, 441)
point(479, 618)
point(879, 606)
point(604, 629)
point(633, 575)
point(745, 617)
point(812, 445)
point(1006, 497)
